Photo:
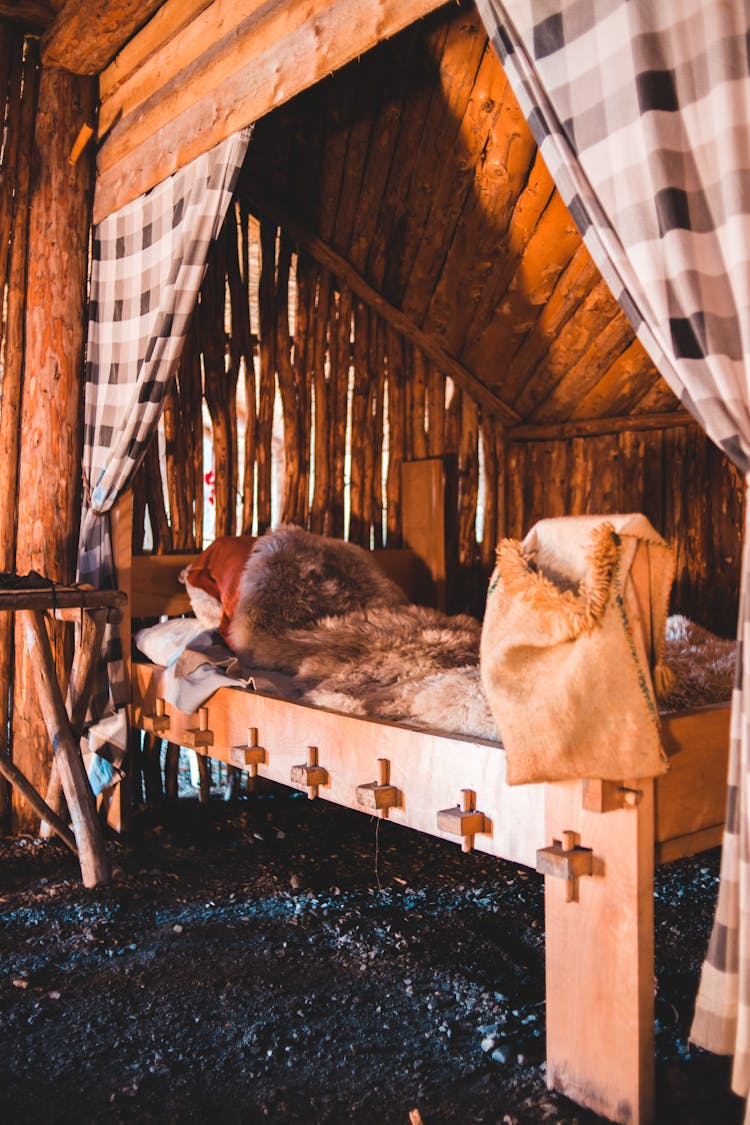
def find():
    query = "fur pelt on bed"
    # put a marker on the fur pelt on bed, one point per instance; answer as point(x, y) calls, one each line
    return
point(392, 662)
point(292, 577)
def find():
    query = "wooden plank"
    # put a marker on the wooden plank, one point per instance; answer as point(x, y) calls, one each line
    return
point(600, 959)
point(583, 372)
point(392, 216)
point(683, 846)
point(192, 113)
point(545, 256)
point(428, 769)
point(480, 236)
point(452, 184)
point(530, 205)
point(622, 386)
point(184, 43)
point(87, 34)
point(453, 80)
point(574, 283)
point(431, 347)
point(396, 88)
point(423, 489)
point(155, 585)
point(164, 25)
point(370, 80)
point(537, 431)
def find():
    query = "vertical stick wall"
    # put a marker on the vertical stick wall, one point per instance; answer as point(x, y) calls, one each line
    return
point(353, 400)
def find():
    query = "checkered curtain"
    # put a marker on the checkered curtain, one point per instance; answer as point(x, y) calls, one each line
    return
point(642, 114)
point(148, 264)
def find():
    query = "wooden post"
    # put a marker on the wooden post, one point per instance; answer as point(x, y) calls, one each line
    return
point(81, 805)
point(50, 448)
point(600, 958)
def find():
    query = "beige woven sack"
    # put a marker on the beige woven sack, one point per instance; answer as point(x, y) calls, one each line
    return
point(572, 644)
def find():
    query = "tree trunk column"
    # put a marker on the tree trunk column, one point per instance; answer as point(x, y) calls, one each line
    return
point(50, 451)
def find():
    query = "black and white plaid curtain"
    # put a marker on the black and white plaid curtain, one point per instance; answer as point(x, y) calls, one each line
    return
point(642, 113)
point(149, 262)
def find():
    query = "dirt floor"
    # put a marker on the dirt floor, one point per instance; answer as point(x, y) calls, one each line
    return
point(277, 959)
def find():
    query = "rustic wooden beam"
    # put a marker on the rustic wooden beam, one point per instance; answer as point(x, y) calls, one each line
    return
point(87, 34)
point(30, 13)
point(278, 52)
point(587, 427)
point(338, 265)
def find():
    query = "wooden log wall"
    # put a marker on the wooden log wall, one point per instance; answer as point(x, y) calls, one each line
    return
point(353, 399)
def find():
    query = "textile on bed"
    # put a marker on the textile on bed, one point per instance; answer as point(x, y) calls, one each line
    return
point(642, 114)
point(148, 264)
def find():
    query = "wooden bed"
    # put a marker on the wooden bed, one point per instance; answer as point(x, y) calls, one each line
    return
point(597, 842)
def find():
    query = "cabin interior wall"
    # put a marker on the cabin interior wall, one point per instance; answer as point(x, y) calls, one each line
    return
point(354, 399)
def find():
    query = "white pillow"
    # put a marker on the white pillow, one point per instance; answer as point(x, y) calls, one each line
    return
point(164, 643)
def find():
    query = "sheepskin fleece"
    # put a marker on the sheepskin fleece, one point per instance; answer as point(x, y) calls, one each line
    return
point(703, 665)
point(376, 661)
point(293, 578)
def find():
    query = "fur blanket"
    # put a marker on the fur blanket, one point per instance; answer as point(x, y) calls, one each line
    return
point(286, 579)
point(323, 613)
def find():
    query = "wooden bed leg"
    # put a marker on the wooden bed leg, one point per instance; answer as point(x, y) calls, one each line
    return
point(600, 957)
point(171, 770)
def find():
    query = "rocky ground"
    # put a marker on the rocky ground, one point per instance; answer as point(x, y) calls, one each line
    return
point(276, 959)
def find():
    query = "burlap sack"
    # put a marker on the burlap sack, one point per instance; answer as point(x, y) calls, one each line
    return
point(572, 644)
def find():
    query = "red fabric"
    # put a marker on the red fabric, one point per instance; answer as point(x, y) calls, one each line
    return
point(218, 571)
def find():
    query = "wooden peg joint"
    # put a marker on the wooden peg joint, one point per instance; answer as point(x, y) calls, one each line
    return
point(311, 775)
point(607, 796)
point(463, 820)
point(566, 859)
point(158, 720)
point(198, 738)
point(379, 796)
point(249, 756)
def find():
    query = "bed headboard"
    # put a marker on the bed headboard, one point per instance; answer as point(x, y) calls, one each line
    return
point(152, 581)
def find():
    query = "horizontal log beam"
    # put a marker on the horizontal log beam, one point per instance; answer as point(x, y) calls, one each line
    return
point(431, 346)
point(87, 34)
point(30, 13)
point(588, 427)
point(277, 56)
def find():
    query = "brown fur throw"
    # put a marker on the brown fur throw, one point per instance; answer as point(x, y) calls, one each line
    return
point(293, 578)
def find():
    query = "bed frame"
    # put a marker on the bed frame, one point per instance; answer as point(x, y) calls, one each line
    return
point(596, 842)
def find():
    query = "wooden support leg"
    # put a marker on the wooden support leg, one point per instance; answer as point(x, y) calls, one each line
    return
point(81, 805)
point(600, 958)
point(204, 774)
point(171, 770)
point(85, 660)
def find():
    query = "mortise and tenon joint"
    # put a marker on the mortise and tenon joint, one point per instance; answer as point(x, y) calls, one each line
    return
point(310, 774)
point(380, 796)
point(566, 859)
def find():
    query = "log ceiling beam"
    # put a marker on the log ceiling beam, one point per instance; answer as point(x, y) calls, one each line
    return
point(588, 427)
point(87, 34)
point(431, 346)
point(278, 49)
point(37, 14)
